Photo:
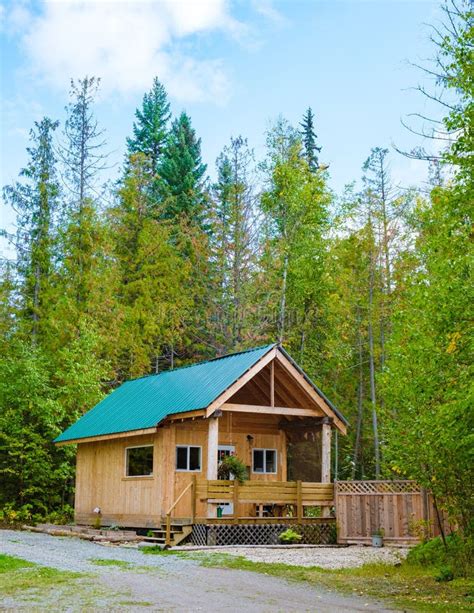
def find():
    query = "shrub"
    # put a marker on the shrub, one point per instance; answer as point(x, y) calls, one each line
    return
point(290, 536)
point(458, 554)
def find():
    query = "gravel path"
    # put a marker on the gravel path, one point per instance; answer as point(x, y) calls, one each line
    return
point(171, 583)
point(324, 557)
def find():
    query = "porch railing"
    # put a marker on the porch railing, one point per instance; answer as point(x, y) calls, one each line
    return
point(296, 494)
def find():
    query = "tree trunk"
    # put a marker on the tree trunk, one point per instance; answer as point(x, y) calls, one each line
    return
point(372, 372)
point(360, 399)
point(281, 325)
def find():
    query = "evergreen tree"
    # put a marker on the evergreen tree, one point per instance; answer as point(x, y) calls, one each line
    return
point(182, 172)
point(152, 276)
point(309, 137)
point(36, 202)
point(150, 131)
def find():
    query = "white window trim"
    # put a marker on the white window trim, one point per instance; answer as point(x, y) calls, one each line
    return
point(187, 470)
point(126, 463)
point(265, 472)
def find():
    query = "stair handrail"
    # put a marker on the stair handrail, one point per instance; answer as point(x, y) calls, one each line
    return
point(190, 485)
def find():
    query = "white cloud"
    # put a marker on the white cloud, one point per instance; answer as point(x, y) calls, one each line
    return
point(127, 44)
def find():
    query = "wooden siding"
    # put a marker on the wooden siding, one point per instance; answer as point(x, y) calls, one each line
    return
point(143, 501)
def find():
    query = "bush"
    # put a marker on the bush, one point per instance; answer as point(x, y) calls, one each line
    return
point(458, 555)
point(290, 536)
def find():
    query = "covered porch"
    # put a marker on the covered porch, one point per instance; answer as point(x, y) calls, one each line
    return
point(260, 419)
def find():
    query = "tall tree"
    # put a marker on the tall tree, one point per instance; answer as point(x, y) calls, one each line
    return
point(309, 138)
point(150, 130)
point(83, 150)
point(295, 203)
point(182, 172)
point(235, 233)
point(36, 202)
point(152, 275)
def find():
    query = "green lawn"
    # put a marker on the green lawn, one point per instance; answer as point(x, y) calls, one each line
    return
point(408, 586)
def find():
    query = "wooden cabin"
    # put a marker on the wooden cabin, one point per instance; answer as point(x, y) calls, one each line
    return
point(151, 449)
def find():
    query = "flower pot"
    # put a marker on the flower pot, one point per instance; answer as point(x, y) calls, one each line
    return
point(377, 540)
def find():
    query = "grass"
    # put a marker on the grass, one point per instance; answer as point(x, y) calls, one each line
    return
point(410, 587)
point(108, 562)
point(38, 588)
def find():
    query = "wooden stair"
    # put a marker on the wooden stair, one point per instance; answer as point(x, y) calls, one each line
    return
point(178, 533)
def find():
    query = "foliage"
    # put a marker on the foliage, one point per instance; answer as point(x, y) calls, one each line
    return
point(456, 553)
point(290, 536)
point(232, 466)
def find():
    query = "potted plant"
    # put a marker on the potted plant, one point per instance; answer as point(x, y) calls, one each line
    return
point(232, 466)
point(377, 538)
point(289, 537)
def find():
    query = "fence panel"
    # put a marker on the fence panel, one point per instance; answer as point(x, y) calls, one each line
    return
point(400, 509)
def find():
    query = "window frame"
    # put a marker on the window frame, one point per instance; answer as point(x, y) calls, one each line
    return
point(150, 475)
point(264, 471)
point(187, 470)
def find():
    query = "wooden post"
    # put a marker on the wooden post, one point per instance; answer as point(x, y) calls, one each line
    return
point(299, 501)
point(326, 456)
point(193, 499)
point(168, 530)
point(236, 501)
point(272, 383)
point(212, 460)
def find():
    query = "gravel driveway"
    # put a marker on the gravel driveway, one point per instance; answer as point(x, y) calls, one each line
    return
point(172, 583)
point(324, 557)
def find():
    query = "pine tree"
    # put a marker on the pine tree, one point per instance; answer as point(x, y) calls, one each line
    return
point(150, 131)
point(182, 172)
point(309, 137)
point(36, 202)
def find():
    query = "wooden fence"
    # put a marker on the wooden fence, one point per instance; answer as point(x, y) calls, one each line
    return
point(400, 509)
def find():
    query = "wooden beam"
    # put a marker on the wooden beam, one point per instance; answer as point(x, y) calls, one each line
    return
point(230, 391)
point(186, 415)
point(108, 437)
point(257, 408)
point(310, 391)
point(272, 383)
point(303, 424)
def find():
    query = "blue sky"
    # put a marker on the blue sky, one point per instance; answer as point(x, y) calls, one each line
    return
point(234, 66)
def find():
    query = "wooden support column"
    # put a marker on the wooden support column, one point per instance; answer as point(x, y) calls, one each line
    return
point(212, 463)
point(326, 456)
point(272, 383)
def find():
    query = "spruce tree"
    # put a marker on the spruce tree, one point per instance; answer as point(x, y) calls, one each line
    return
point(182, 171)
point(309, 137)
point(150, 130)
point(35, 199)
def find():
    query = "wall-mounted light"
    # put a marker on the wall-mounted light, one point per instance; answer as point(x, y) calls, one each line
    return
point(250, 438)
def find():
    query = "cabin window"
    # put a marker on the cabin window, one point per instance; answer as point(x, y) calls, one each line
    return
point(139, 461)
point(188, 458)
point(264, 461)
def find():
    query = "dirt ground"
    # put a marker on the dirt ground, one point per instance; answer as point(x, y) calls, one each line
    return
point(161, 583)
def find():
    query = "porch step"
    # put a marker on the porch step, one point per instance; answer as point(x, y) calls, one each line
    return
point(178, 533)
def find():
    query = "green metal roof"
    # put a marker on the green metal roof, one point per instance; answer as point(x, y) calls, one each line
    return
point(143, 403)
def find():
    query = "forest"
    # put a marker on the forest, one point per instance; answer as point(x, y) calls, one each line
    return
point(369, 290)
